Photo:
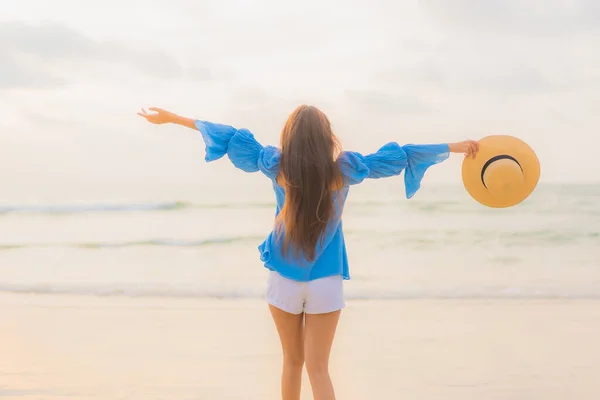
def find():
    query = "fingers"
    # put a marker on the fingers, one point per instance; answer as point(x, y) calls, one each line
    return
point(473, 148)
point(158, 110)
point(143, 113)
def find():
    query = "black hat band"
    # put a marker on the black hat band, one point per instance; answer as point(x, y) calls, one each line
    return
point(493, 160)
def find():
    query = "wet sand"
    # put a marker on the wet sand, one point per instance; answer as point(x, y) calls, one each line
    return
point(70, 347)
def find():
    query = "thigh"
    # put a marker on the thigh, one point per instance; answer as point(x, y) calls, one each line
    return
point(319, 331)
point(290, 328)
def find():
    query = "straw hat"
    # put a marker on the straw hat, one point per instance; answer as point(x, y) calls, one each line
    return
point(504, 172)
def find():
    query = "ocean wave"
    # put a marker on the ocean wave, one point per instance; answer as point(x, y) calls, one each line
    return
point(174, 291)
point(479, 237)
point(66, 209)
point(88, 208)
point(419, 206)
point(396, 238)
point(125, 207)
point(136, 243)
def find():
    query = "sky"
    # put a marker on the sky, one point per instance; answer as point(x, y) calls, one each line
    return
point(73, 74)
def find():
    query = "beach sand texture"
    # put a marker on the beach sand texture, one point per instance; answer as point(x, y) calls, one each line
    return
point(69, 347)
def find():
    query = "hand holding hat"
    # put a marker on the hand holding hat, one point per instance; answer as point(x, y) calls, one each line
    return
point(468, 147)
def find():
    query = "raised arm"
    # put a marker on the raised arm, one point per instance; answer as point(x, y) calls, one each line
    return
point(392, 159)
point(244, 151)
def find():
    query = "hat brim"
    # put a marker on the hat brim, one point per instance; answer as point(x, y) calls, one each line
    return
point(492, 146)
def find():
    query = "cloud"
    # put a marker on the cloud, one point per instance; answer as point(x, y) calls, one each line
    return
point(19, 72)
point(199, 73)
point(378, 102)
point(498, 65)
point(517, 79)
point(256, 104)
point(51, 54)
point(519, 17)
point(509, 77)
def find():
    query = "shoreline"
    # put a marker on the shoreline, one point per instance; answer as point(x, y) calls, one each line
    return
point(27, 298)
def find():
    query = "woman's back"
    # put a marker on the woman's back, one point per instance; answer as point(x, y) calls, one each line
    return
point(308, 215)
point(309, 174)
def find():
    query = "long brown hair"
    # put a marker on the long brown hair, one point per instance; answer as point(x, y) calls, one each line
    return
point(309, 173)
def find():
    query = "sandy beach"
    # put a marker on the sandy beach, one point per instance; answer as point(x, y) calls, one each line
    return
point(59, 347)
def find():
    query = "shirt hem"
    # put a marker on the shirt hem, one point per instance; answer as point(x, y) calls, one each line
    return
point(344, 276)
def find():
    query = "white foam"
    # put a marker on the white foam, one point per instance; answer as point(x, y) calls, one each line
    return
point(174, 291)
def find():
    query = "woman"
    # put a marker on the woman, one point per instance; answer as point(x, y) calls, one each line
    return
point(305, 252)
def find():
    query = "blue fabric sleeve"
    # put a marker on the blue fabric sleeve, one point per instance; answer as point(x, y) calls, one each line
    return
point(244, 151)
point(391, 160)
point(420, 158)
point(268, 162)
point(216, 138)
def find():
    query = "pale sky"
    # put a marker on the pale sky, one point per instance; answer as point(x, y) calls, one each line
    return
point(73, 73)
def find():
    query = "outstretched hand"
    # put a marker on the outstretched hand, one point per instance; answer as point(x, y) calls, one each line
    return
point(468, 147)
point(159, 116)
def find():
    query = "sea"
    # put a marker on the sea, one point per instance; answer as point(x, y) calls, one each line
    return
point(202, 242)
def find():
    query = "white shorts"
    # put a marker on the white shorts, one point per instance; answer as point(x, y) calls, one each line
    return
point(319, 296)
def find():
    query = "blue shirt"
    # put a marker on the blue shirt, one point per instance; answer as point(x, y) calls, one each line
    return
point(249, 155)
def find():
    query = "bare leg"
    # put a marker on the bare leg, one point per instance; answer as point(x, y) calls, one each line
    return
point(319, 334)
point(291, 333)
